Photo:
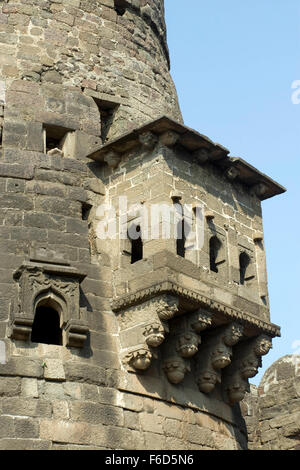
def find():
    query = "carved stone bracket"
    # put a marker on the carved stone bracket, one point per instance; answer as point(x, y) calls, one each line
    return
point(138, 359)
point(183, 345)
point(76, 333)
point(54, 285)
point(167, 307)
point(155, 334)
point(144, 328)
point(245, 365)
point(175, 369)
point(215, 355)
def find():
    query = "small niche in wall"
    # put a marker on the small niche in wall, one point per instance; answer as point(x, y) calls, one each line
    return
point(54, 139)
point(107, 111)
point(215, 246)
point(120, 7)
point(246, 268)
point(136, 244)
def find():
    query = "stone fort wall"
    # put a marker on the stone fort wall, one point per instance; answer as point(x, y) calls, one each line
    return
point(76, 74)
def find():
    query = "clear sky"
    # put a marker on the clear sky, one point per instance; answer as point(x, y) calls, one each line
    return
point(233, 63)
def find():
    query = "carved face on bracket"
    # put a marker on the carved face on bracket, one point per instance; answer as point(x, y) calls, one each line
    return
point(167, 307)
point(148, 139)
point(263, 346)
point(154, 335)
point(250, 367)
point(187, 345)
point(207, 381)
point(237, 390)
point(221, 357)
point(175, 369)
point(233, 334)
point(201, 322)
point(140, 359)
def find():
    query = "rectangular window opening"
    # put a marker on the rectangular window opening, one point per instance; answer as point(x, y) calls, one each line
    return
point(54, 138)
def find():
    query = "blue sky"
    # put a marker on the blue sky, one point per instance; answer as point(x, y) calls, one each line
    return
point(233, 64)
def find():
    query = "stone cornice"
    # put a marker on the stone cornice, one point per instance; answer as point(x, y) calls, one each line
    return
point(199, 299)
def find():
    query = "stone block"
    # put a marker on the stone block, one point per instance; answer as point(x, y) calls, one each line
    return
point(10, 387)
point(54, 370)
point(95, 413)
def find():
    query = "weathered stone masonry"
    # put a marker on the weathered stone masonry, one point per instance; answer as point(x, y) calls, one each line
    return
point(152, 351)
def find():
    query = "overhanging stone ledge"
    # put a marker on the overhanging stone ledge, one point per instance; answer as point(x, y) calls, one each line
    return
point(199, 300)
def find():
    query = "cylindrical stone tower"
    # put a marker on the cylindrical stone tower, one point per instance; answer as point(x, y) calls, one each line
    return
point(100, 338)
point(112, 50)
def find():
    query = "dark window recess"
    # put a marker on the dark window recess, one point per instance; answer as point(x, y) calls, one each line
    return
point(245, 264)
point(214, 248)
point(182, 233)
point(120, 6)
point(46, 326)
point(1, 132)
point(137, 247)
point(107, 110)
point(86, 209)
point(54, 137)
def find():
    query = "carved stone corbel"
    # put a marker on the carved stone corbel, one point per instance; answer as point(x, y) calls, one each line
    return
point(187, 344)
point(138, 359)
point(169, 138)
point(245, 365)
point(167, 307)
point(215, 355)
point(148, 140)
point(201, 320)
point(175, 369)
point(21, 328)
point(76, 333)
point(155, 334)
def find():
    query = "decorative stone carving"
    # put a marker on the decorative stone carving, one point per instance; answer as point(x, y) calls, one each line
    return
point(231, 313)
point(148, 140)
point(207, 380)
point(167, 307)
point(57, 285)
point(215, 355)
point(233, 334)
point(155, 334)
point(247, 360)
point(175, 369)
point(138, 359)
point(232, 173)
point(169, 138)
point(187, 344)
point(201, 321)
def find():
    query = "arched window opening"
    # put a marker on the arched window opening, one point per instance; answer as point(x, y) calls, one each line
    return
point(214, 249)
point(46, 326)
point(245, 268)
point(136, 246)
